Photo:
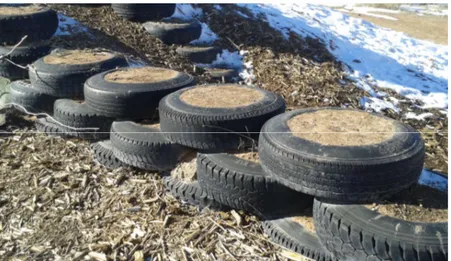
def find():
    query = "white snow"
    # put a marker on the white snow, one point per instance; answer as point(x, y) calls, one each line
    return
point(425, 9)
point(370, 11)
point(218, 7)
point(187, 12)
point(434, 180)
point(416, 69)
point(68, 26)
point(207, 36)
point(420, 117)
point(377, 105)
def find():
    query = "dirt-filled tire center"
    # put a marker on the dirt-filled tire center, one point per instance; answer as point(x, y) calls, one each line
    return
point(121, 146)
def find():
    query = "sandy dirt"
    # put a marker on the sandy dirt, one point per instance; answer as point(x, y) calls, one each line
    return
point(77, 57)
point(222, 96)
point(141, 75)
point(23, 10)
point(341, 127)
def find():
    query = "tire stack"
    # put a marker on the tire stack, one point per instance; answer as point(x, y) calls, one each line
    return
point(38, 24)
point(328, 154)
point(93, 102)
point(34, 22)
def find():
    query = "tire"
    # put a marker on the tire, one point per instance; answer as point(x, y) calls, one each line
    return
point(130, 101)
point(78, 115)
point(50, 127)
point(353, 174)
point(354, 232)
point(174, 31)
point(66, 80)
point(103, 153)
point(37, 26)
point(22, 55)
point(191, 193)
point(220, 73)
point(144, 12)
point(242, 185)
point(22, 93)
point(295, 237)
point(143, 147)
point(199, 54)
point(204, 128)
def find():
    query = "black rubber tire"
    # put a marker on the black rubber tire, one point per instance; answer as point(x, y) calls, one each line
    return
point(51, 128)
point(216, 129)
point(347, 174)
point(22, 93)
point(143, 147)
point(22, 55)
point(354, 232)
point(66, 80)
point(79, 115)
point(144, 12)
point(132, 101)
point(191, 193)
point(199, 54)
point(37, 26)
point(103, 153)
point(220, 73)
point(295, 237)
point(174, 31)
point(242, 184)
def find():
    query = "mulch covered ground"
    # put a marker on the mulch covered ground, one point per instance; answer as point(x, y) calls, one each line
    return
point(57, 203)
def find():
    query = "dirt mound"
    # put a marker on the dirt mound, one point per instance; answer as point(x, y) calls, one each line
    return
point(141, 75)
point(222, 96)
point(77, 57)
point(306, 220)
point(341, 128)
point(250, 156)
point(186, 170)
point(22, 10)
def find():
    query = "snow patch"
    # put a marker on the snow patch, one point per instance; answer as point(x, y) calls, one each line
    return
point(187, 12)
point(421, 117)
point(426, 9)
point(68, 26)
point(377, 105)
point(416, 69)
point(370, 11)
point(431, 179)
point(207, 36)
point(217, 7)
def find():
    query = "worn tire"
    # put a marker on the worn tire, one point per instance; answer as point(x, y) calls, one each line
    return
point(37, 26)
point(295, 237)
point(144, 12)
point(79, 115)
point(131, 101)
point(103, 153)
point(199, 54)
point(220, 73)
point(51, 128)
point(354, 232)
point(204, 128)
point(174, 31)
point(22, 93)
point(242, 184)
point(22, 55)
point(341, 173)
point(66, 80)
point(191, 193)
point(143, 147)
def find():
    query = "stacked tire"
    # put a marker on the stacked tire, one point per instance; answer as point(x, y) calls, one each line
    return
point(329, 154)
point(29, 25)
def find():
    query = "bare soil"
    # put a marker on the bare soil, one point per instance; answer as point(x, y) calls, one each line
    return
point(306, 220)
point(77, 57)
point(186, 170)
point(250, 156)
point(418, 204)
point(341, 127)
point(141, 75)
point(222, 96)
point(22, 10)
